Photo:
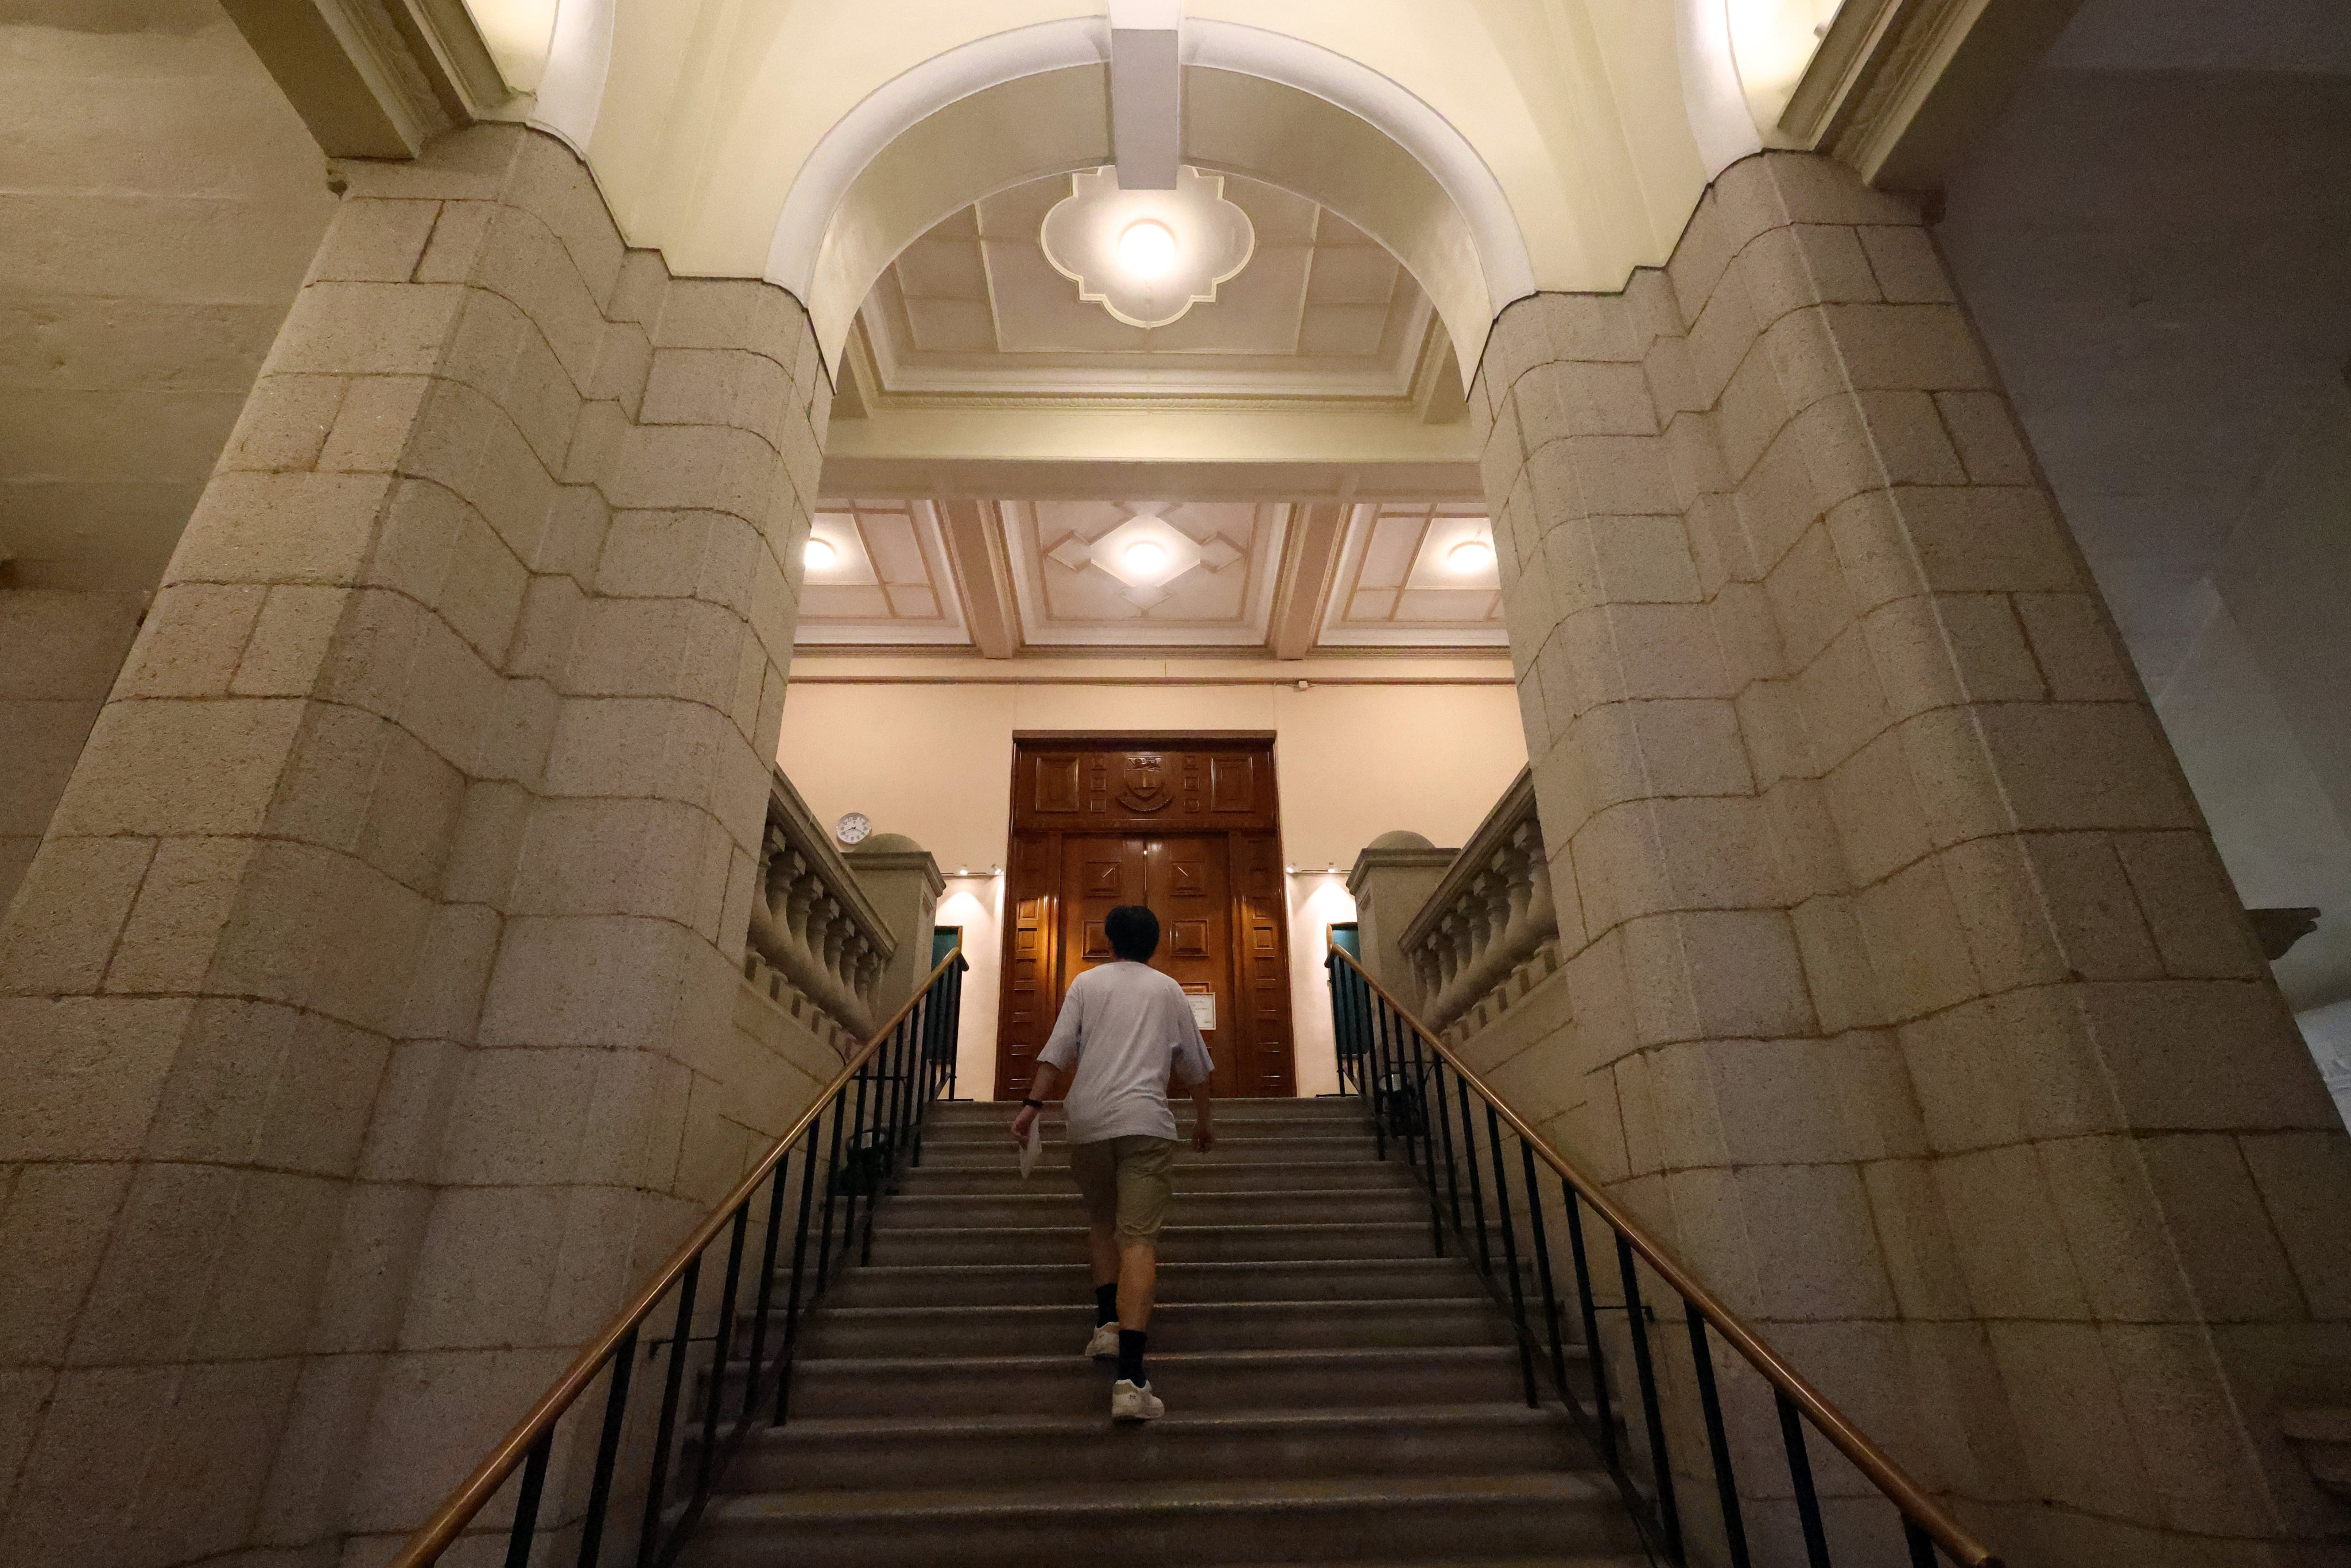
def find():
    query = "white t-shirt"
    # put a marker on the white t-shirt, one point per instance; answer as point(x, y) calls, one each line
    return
point(1130, 1025)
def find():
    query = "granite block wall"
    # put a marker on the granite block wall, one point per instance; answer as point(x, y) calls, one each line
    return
point(1907, 995)
point(367, 1014)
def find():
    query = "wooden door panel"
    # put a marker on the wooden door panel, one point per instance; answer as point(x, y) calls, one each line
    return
point(1183, 824)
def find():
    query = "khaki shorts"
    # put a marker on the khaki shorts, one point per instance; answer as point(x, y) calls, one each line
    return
point(1125, 1184)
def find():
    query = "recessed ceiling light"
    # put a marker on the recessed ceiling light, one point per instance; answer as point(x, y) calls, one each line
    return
point(1147, 248)
point(1145, 556)
point(1470, 554)
point(820, 555)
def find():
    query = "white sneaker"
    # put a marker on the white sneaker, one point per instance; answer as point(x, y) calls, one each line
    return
point(1128, 1403)
point(1104, 1344)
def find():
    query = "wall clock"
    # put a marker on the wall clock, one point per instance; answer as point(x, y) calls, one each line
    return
point(853, 829)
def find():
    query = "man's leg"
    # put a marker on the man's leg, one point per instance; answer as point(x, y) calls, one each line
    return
point(1138, 1281)
point(1095, 1168)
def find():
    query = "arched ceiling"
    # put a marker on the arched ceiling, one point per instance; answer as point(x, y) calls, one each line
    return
point(1559, 132)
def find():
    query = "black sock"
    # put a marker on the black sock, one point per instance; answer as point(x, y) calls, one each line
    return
point(1106, 1303)
point(1130, 1355)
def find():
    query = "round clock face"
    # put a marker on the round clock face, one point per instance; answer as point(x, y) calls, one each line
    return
point(852, 828)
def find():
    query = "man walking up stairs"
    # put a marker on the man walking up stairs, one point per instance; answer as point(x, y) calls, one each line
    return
point(1129, 1027)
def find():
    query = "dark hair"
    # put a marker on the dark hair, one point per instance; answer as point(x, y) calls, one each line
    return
point(1134, 932)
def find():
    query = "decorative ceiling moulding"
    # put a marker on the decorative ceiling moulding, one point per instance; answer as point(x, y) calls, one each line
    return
point(1142, 574)
point(973, 477)
point(878, 574)
point(865, 193)
point(1416, 575)
point(1147, 256)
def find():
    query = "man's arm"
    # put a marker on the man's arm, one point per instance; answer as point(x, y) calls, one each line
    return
point(1048, 1079)
point(1203, 1136)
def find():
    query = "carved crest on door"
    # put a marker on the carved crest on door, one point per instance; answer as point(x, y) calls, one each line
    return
point(1146, 786)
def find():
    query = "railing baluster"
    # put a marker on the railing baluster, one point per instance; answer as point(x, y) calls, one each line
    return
point(722, 1340)
point(1921, 1545)
point(1441, 1114)
point(1540, 1229)
point(1669, 1518)
point(1375, 1083)
point(861, 1152)
point(1799, 1472)
point(1476, 1187)
point(1420, 1084)
point(763, 1299)
point(1603, 1417)
point(665, 1429)
point(526, 1519)
point(832, 1181)
point(785, 1352)
point(1718, 1442)
point(885, 1117)
point(1511, 1257)
point(608, 1451)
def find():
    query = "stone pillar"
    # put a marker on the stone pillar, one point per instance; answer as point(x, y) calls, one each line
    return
point(1391, 879)
point(59, 650)
point(902, 880)
point(365, 1015)
point(1911, 1002)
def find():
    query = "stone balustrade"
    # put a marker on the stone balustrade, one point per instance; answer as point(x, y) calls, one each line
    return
point(816, 945)
point(1489, 933)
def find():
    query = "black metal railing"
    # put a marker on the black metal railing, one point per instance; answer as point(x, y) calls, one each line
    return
point(1445, 1124)
point(803, 1211)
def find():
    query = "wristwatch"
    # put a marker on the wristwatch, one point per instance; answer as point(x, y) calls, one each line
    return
point(1040, 1105)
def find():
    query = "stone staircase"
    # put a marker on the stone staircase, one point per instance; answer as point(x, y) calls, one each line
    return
point(1334, 1391)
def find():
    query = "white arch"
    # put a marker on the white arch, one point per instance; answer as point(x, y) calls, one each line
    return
point(896, 106)
point(823, 183)
point(578, 58)
point(1711, 96)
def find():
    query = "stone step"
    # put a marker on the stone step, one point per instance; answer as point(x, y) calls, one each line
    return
point(1067, 1280)
point(1463, 1518)
point(1337, 1107)
point(1235, 1243)
point(1252, 1130)
point(1191, 1175)
point(1000, 1451)
point(996, 1151)
point(1327, 1206)
point(1219, 1381)
point(1063, 1330)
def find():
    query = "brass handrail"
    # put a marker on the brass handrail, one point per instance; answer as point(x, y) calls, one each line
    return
point(1873, 1461)
point(450, 1519)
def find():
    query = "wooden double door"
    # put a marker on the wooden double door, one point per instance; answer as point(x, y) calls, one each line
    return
point(1185, 825)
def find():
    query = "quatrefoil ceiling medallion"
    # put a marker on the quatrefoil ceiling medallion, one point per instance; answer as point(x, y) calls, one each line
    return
point(1147, 256)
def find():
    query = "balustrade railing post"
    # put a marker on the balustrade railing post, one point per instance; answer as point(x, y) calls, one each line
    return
point(1800, 1475)
point(762, 1299)
point(526, 1519)
point(1510, 1256)
point(832, 1181)
point(860, 1156)
point(1375, 1079)
point(608, 1451)
point(1669, 1518)
point(722, 1340)
point(1477, 1184)
point(785, 1352)
point(1540, 1230)
point(1921, 1545)
point(1422, 1080)
point(1718, 1440)
point(1603, 1417)
point(1440, 1115)
point(665, 1429)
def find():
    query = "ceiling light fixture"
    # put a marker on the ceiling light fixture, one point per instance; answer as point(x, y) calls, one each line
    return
point(820, 555)
point(1147, 248)
point(1470, 554)
point(1145, 557)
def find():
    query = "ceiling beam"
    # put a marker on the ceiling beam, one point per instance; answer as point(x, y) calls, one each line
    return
point(374, 79)
point(975, 539)
point(1304, 587)
point(1146, 101)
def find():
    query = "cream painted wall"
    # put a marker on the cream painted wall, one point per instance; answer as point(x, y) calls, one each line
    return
point(935, 762)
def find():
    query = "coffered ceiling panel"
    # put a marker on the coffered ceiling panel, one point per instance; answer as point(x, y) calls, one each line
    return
point(878, 576)
point(1142, 574)
point(1415, 576)
point(1112, 577)
point(975, 310)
